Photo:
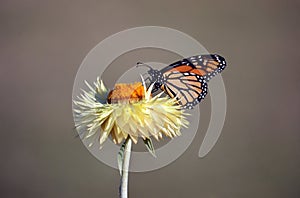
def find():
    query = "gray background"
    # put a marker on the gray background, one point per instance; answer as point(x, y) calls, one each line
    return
point(42, 44)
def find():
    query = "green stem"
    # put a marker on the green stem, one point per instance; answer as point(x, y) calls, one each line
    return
point(125, 169)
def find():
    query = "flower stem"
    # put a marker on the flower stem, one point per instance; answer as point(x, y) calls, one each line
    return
point(125, 168)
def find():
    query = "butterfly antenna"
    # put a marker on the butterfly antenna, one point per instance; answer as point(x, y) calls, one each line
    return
point(143, 64)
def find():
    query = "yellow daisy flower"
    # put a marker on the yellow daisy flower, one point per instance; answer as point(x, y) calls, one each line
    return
point(128, 110)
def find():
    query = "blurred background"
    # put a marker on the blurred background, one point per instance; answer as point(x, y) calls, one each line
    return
point(42, 44)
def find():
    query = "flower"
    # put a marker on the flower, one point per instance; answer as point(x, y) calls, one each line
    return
point(128, 110)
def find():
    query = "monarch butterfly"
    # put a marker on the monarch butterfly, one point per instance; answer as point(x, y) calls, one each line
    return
point(187, 79)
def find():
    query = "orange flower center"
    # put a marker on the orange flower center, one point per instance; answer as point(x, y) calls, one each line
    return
point(125, 93)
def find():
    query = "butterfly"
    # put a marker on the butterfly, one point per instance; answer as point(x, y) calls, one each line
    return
point(187, 79)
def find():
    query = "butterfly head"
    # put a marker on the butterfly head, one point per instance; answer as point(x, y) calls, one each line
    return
point(155, 76)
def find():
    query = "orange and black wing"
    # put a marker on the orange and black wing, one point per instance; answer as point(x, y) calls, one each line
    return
point(187, 87)
point(203, 65)
point(187, 79)
point(208, 65)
